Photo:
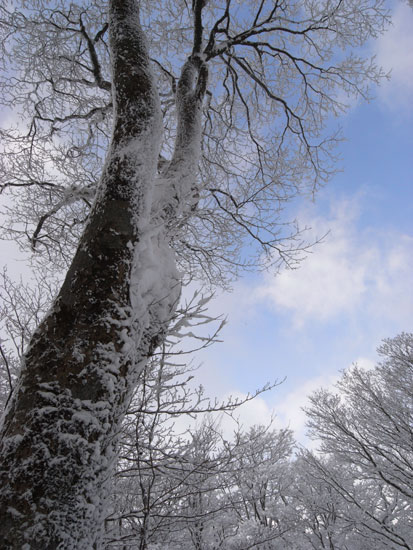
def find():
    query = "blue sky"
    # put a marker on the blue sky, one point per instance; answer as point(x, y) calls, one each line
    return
point(356, 287)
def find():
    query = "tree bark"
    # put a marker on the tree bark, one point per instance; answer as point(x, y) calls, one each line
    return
point(58, 439)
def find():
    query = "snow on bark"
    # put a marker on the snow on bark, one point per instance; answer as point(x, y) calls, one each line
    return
point(60, 430)
point(177, 189)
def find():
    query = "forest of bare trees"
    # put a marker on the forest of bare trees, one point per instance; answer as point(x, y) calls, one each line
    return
point(152, 145)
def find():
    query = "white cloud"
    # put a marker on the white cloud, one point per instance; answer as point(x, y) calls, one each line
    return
point(350, 273)
point(289, 409)
point(254, 412)
point(365, 363)
point(395, 53)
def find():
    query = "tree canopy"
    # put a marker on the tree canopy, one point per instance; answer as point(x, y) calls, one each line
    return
point(276, 72)
point(157, 143)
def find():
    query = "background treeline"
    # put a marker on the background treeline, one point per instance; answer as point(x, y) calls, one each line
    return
point(192, 488)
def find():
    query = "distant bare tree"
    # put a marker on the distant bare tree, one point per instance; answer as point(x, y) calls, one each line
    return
point(366, 430)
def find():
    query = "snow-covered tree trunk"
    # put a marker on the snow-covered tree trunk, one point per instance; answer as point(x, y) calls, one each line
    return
point(58, 440)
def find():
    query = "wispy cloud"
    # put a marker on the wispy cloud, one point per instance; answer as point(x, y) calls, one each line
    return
point(394, 51)
point(289, 409)
point(252, 413)
point(354, 272)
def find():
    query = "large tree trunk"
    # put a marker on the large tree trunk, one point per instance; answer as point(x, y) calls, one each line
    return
point(58, 441)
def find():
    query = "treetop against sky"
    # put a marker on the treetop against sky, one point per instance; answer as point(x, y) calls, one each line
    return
point(375, 132)
point(211, 121)
point(354, 288)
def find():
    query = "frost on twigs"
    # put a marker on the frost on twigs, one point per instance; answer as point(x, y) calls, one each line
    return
point(157, 142)
point(276, 71)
